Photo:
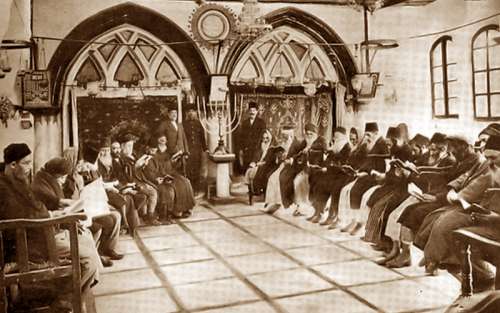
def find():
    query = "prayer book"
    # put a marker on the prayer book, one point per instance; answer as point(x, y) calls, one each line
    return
point(415, 191)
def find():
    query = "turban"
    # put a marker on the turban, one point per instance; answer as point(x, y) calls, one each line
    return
point(126, 138)
point(15, 152)
point(310, 127)
point(493, 143)
point(371, 127)
point(90, 152)
point(438, 138)
point(58, 167)
point(340, 130)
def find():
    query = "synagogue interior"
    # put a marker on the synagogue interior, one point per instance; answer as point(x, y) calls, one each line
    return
point(251, 156)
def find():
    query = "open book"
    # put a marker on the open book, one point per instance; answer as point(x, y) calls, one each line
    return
point(415, 191)
point(93, 202)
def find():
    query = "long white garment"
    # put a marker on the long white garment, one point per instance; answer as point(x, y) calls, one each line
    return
point(344, 201)
point(301, 189)
point(273, 191)
point(393, 228)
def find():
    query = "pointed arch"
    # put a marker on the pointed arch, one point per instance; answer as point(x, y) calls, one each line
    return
point(136, 15)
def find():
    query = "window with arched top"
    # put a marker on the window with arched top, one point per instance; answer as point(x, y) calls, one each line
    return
point(486, 73)
point(443, 80)
point(128, 56)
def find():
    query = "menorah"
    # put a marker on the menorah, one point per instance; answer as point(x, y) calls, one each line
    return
point(227, 124)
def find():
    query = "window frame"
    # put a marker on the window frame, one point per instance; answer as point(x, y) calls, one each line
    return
point(441, 43)
point(487, 70)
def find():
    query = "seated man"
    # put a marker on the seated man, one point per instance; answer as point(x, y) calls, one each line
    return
point(18, 201)
point(258, 158)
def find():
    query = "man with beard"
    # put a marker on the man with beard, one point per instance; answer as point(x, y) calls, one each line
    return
point(177, 142)
point(322, 178)
point(195, 135)
point(259, 156)
point(17, 201)
point(249, 135)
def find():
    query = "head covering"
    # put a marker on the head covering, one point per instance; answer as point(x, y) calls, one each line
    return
point(190, 106)
point(340, 130)
point(393, 132)
point(15, 152)
point(153, 141)
point(310, 127)
point(438, 138)
point(105, 143)
point(253, 105)
point(58, 166)
point(90, 151)
point(172, 107)
point(420, 140)
point(492, 129)
point(371, 127)
point(126, 138)
point(493, 143)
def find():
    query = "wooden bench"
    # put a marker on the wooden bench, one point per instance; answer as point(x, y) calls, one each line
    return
point(22, 271)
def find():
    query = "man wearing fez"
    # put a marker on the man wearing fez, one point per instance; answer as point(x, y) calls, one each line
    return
point(195, 135)
point(250, 133)
point(18, 201)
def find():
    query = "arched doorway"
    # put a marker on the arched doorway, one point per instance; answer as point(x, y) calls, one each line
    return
point(137, 59)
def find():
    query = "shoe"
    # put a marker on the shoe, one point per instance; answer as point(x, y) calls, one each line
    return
point(334, 224)
point(154, 222)
point(394, 253)
point(310, 218)
point(355, 230)
point(113, 255)
point(316, 219)
point(186, 214)
point(165, 221)
point(432, 269)
point(346, 228)
point(421, 262)
point(402, 260)
point(273, 208)
point(297, 213)
point(106, 261)
point(329, 220)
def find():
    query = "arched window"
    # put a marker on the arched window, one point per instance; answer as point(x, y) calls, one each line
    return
point(443, 80)
point(486, 73)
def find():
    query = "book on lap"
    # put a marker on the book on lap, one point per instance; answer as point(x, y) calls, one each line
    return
point(95, 201)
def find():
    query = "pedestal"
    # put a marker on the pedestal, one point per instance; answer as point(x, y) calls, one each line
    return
point(222, 179)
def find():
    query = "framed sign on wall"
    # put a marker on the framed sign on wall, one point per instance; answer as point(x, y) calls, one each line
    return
point(36, 90)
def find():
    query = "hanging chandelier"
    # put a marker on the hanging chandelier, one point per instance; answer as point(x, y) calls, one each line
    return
point(281, 80)
point(251, 24)
point(370, 5)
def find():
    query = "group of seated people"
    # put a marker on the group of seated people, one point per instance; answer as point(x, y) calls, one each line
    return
point(437, 194)
point(149, 190)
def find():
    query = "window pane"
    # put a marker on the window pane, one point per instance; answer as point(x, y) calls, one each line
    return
point(495, 56)
point(479, 59)
point(480, 40)
point(438, 91)
point(453, 106)
point(438, 74)
point(452, 71)
point(495, 81)
point(480, 81)
point(492, 34)
point(439, 108)
point(453, 89)
point(481, 106)
point(436, 56)
point(495, 105)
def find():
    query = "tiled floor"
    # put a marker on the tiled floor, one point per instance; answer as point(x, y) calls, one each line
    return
point(234, 258)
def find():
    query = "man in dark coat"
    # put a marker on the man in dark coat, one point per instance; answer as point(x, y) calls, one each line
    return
point(195, 136)
point(249, 135)
point(177, 142)
point(18, 201)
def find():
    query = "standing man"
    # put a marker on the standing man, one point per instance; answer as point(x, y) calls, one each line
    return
point(250, 133)
point(197, 144)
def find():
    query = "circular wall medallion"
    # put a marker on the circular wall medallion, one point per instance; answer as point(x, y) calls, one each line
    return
point(212, 23)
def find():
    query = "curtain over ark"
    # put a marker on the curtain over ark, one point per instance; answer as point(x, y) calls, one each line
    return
point(277, 109)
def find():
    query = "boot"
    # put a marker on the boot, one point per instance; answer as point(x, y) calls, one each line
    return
point(431, 268)
point(310, 218)
point(402, 260)
point(391, 255)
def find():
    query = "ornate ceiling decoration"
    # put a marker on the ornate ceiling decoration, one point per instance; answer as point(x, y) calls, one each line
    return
point(212, 24)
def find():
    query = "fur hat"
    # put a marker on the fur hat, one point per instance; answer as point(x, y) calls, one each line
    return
point(58, 166)
point(438, 138)
point(393, 132)
point(491, 129)
point(371, 127)
point(15, 152)
point(420, 140)
point(90, 151)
